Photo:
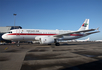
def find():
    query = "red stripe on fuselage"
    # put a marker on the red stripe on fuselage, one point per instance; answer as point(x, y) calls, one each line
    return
point(29, 34)
point(41, 34)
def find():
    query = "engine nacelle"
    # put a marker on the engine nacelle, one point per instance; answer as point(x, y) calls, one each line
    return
point(46, 40)
point(39, 37)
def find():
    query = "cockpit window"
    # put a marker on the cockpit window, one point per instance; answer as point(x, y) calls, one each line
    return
point(9, 32)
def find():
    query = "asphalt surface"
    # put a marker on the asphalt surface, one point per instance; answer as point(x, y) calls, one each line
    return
point(68, 56)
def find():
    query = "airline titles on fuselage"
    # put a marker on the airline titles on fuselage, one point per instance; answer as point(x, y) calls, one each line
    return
point(32, 30)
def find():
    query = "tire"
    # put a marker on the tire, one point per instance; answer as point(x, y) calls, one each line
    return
point(57, 44)
point(18, 45)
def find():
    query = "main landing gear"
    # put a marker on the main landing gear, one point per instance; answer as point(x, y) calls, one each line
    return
point(56, 43)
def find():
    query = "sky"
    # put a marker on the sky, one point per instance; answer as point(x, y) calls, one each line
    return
point(52, 14)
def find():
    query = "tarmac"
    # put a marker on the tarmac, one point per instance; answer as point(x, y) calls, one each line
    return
point(67, 56)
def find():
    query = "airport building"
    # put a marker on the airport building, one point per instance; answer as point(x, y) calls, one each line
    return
point(7, 29)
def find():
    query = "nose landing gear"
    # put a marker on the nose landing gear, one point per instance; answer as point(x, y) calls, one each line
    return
point(18, 44)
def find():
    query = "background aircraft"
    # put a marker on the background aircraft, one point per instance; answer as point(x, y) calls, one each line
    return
point(98, 41)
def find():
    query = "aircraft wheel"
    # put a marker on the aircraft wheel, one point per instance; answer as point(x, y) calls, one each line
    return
point(18, 45)
point(57, 44)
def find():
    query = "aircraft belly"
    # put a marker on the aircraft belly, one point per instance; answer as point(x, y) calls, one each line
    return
point(30, 37)
point(22, 37)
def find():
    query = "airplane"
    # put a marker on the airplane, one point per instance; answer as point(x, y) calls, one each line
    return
point(48, 36)
point(98, 41)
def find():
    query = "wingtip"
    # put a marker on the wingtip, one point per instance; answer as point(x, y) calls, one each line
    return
point(97, 29)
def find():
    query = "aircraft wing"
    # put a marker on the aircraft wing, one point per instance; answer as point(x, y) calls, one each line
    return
point(60, 35)
point(92, 32)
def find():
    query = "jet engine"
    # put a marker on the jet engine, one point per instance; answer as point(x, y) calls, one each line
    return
point(46, 40)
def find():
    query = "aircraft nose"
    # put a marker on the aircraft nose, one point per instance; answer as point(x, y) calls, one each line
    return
point(4, 36)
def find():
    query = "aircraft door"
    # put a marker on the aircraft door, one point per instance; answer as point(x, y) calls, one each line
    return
point(18, 32)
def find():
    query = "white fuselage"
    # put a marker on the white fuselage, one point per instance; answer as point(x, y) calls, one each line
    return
point(33, 34)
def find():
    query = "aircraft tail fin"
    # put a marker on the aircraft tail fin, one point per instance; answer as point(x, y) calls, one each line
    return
point(85, 25)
